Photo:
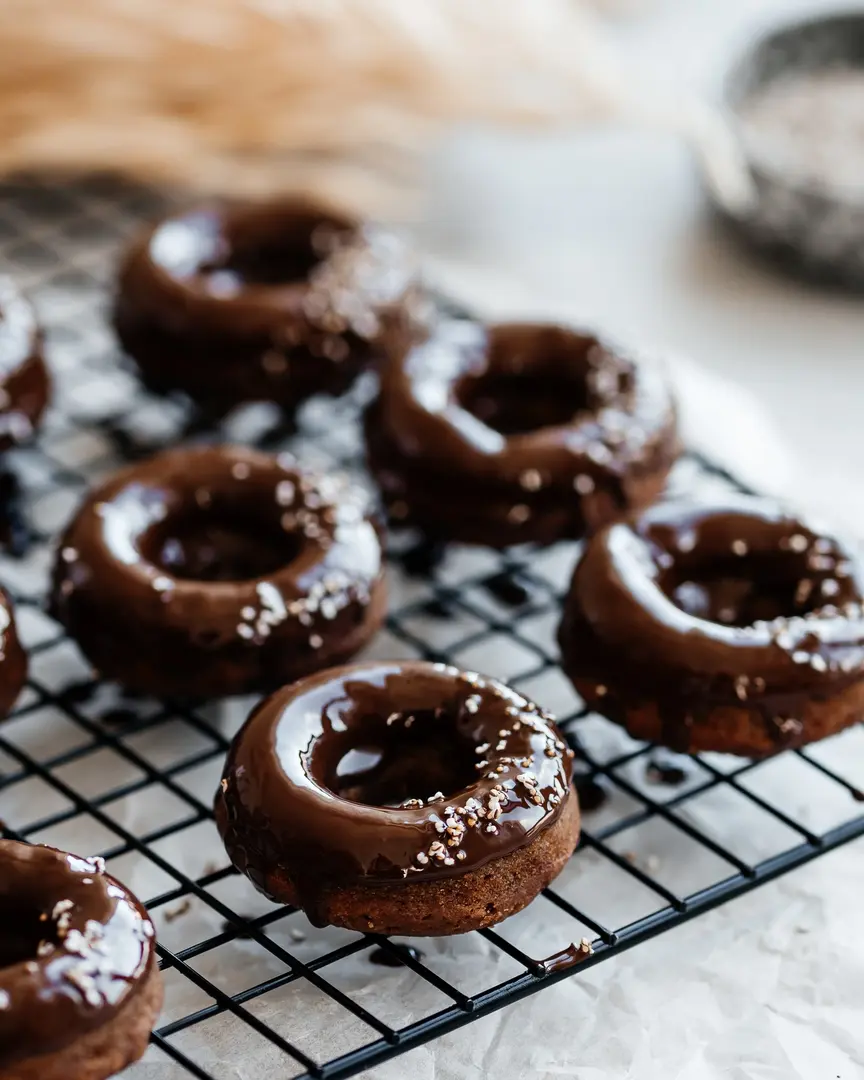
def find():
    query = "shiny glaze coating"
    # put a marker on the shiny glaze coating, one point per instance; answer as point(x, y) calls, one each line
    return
point(13, 659)
point(24, 384)
point(340, 778)
point(518, 432)
point(736, 605)
point(209, 571)
point(274, 301)
point(75, 946)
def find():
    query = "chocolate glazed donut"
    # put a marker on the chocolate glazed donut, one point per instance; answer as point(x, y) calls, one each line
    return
point(510, 433)
point(734, 627)
point(79, 985)
point(13, 659)
point(262, 302)
point(219, 570)
point(24, 384)
point(399, 798)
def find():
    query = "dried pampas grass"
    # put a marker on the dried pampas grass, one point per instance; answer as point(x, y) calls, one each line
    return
point(251, 95)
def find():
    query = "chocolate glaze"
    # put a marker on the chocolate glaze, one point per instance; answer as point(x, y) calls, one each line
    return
point(13, 659)
point(738, 604)
point(24, 385)
point(75, 946)
point(387, 773)
point(218, 570)
point(518, 432)
point(274, 301)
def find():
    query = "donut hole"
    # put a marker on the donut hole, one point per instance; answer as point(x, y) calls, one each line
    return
point(739, 591)
point(21, 932)
point(394, 765)
point(276, 246)
point(200, 546)
point(540, 377)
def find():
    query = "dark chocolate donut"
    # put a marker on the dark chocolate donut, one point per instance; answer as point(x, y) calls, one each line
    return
point(80, 988)
point(13, 659)
point(271, 301)
point(734, 627)
point(400, 798)
point(24, 384)
point(518, 432)
point(219, 570)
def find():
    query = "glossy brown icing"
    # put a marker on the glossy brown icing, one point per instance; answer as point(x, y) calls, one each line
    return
point(272, 301)
point(75, 946)
point(388, 773)
point(24, 385)
point(219, 570)
point(697, 607)
point(518, 432)
point(13, 659)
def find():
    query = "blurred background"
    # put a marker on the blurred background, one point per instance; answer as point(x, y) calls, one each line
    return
point(544, 154)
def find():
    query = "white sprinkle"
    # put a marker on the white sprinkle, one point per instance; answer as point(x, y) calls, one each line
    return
point(240, 470)
point(800, 657)
point(518, 514)
point(316, 641)
point(798, 542)
point(248, 612)
point(818, 663)
point(5, 1000)
point(285, 490)
point(245, 631)
point(739, 547)
point(687, 541)
point(584, 484)
point(830, 587)
point(600, 690)
point(162, 584)
point(531, 480)
point(69, 554)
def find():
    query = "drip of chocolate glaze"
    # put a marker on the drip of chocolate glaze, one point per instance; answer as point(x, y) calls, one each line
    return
point(393, 957)
point(565, 959)
point(591, 794)
point(662, 770)
point(15, 532)
point(423, 559)
point(507, 588)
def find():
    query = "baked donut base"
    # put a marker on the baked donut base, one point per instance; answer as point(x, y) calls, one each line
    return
point(150, 671)
point(731, 729)
point(105, 1051)
point(454, 905)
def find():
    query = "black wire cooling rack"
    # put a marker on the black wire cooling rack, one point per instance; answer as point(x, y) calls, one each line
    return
point(666, 838)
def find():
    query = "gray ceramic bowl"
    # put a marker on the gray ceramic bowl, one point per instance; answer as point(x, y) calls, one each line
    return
point(813, 228)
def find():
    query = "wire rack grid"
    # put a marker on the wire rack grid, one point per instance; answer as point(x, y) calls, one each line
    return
point(85, 768)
